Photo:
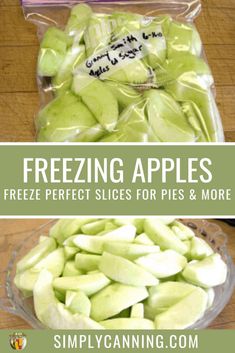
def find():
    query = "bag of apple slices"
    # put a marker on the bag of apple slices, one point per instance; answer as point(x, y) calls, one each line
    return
point(122, 71)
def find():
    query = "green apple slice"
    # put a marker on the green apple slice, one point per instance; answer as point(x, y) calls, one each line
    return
point(94, 228)
point(89, 284)
point(77, 22)
point(132, 125)
point(182, 231)
point(58, 318)
point(209, 272)
point(137, 311)
point(43, 294)
point(87, 262)
point(36, 254)
point(167, 119)
point(98, 98)
point(110, 226)
point(78, 302)
point(163, 264)
point(94, 244)
point(164, 295)
point(70, 252)
point(179, 65)
point(64, 118)
point(26, 280)
point(135, 73)
point(52, 52)
point(90, 243)
point(97, 34)
point(143, 239)
point(69, 241)
point(130, 251)
point(128, 324)
point(137, 222)
point(191, 87)
point(184, 313)
point(125, 233)
point(124, 271)
point(49, 62)
point(115, 298)
point(199, 249)
point(183, 38)
point(65, 228)
point(155, 45)
point(126, 95)
point(92, 134)
point(64, 77)
point(70, 270)
point(163, 236)
point(196, 120)
point(126, 23)
point(54, 262)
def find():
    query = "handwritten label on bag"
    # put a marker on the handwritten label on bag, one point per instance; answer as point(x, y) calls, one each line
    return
point(132, 47)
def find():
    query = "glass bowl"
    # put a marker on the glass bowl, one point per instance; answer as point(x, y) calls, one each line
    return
point(13, 301)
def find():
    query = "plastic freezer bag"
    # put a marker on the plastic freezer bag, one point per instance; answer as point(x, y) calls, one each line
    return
point(122, 71)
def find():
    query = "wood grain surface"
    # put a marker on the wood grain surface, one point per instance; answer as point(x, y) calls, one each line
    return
point(14, 231)
point(19, 100)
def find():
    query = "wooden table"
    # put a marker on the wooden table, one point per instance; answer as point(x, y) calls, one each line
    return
point(19, 229)
point(18, 53)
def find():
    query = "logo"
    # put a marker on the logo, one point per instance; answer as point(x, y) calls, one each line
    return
point(18, 341)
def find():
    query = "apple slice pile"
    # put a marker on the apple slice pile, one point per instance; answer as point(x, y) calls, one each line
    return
point(123, 77)
point(120, 274)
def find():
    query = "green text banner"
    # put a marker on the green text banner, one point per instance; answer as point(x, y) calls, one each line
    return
point(105, 180)
point(34, 341)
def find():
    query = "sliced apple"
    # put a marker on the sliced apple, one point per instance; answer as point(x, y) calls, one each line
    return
point(64, 118)
point(167, 118)
point(199, 249)
point(125, 271)
point(94, 228)
point(128, 324)
point(36, 254)
point(143, 239)
point(163, 264)
point(114, 299)
point(70, 269)
point(65, 228)
point(64, 77)
point(52, 52)
point(126, 95)
point(89, 284)
point(130, 251)
point(87, 262)
point(78, 303)
point(77, 22)
point(184, 313)
point(163, 236)
point(164, 295)
point(137, 311)
point(183, 38)
point(98, 98)
point(209, 272)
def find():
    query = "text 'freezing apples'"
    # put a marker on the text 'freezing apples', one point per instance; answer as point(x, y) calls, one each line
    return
point(122, 273)
point(125, 77)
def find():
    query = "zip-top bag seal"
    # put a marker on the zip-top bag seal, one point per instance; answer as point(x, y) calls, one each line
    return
point(122, 71)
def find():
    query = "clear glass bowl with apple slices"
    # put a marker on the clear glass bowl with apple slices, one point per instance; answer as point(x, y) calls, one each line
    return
point(13, 301)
